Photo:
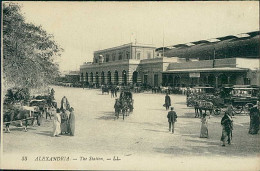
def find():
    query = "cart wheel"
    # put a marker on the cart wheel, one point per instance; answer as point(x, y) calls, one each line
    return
point(216, 110)
point(238, 109)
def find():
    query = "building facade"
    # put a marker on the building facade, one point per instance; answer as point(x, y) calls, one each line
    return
point(232, 60)
point(117, 65)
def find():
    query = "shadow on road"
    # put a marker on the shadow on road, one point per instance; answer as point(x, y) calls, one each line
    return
point(162, 109)
point(181, 103)
point(153, 130)
point(147, 123)
point(107, 116)
point(187, 115)
point(45, 133)
point(21, 129)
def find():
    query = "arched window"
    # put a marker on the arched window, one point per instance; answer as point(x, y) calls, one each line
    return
point(97, 78)
point(102, 77)
point(135, 75)
point(109, 77)
point(124, 76)
point(86, 77)
point(91, 77)
point(116, 77)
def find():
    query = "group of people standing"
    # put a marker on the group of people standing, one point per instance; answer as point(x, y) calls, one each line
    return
point(114, 91)
point(64, 119)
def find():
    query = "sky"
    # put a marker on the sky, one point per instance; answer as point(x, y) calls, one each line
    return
point(81, 28)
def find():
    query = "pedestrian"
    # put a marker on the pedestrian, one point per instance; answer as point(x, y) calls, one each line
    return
point(65, 103)
point(64, 122)
point(254, 119)
point(204, 127)
point(56, 123)
point(227, 127)
point(72, 122)
point(167, 101)
point(116, 89)
point(196, 107)
point(172, 118)
point(112, 92)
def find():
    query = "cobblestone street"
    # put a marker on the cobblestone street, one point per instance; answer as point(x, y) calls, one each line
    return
point(142, 135)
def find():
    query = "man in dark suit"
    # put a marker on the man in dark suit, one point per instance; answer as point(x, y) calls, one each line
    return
point(167, 101)
point(172, 118)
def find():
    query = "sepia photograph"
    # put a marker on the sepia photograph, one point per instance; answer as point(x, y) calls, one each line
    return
point(130, 85)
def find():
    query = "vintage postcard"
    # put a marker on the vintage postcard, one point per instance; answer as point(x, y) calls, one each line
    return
point(130, 85)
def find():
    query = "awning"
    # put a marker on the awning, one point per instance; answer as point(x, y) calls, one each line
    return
point(225, 69)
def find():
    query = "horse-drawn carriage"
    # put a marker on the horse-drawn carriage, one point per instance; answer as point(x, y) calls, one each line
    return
point(124, 104)
point(208, 102)
point(241, 98)
point(20, 108)
point(197, 93)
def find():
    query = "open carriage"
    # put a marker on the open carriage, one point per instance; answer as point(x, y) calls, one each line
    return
point(21, 116)
point(124, 105)
point(241, 98)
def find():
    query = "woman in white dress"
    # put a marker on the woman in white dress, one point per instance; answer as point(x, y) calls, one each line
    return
point(204, 127)
point(56, 123)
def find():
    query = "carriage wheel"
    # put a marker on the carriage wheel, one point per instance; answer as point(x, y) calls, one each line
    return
point(238, 109)
point(216, 110)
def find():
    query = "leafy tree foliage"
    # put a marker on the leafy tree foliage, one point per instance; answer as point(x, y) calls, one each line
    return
point(16, 95)
point(28, 51)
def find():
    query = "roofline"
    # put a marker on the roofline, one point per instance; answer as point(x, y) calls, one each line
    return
point(126, 45)
point(219, 38)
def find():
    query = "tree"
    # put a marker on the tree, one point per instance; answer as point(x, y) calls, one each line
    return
point(28, 51)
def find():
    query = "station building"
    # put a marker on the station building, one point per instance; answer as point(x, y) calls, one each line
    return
point(232, 60)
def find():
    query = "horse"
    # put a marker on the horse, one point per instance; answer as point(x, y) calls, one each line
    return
point(206, 106)
point(125, 107)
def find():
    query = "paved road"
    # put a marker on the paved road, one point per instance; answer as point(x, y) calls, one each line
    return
point(142, 135)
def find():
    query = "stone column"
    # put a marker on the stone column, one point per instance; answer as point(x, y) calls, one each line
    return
point(112, 78)
point(129, 75)
point(120, 77)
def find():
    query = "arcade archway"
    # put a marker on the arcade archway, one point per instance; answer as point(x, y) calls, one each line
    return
point(124, 77)
point(116, 77)
point(109, 77)
point(135, 75)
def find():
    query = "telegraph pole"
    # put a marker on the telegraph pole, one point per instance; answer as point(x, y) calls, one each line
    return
point(163, 41)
